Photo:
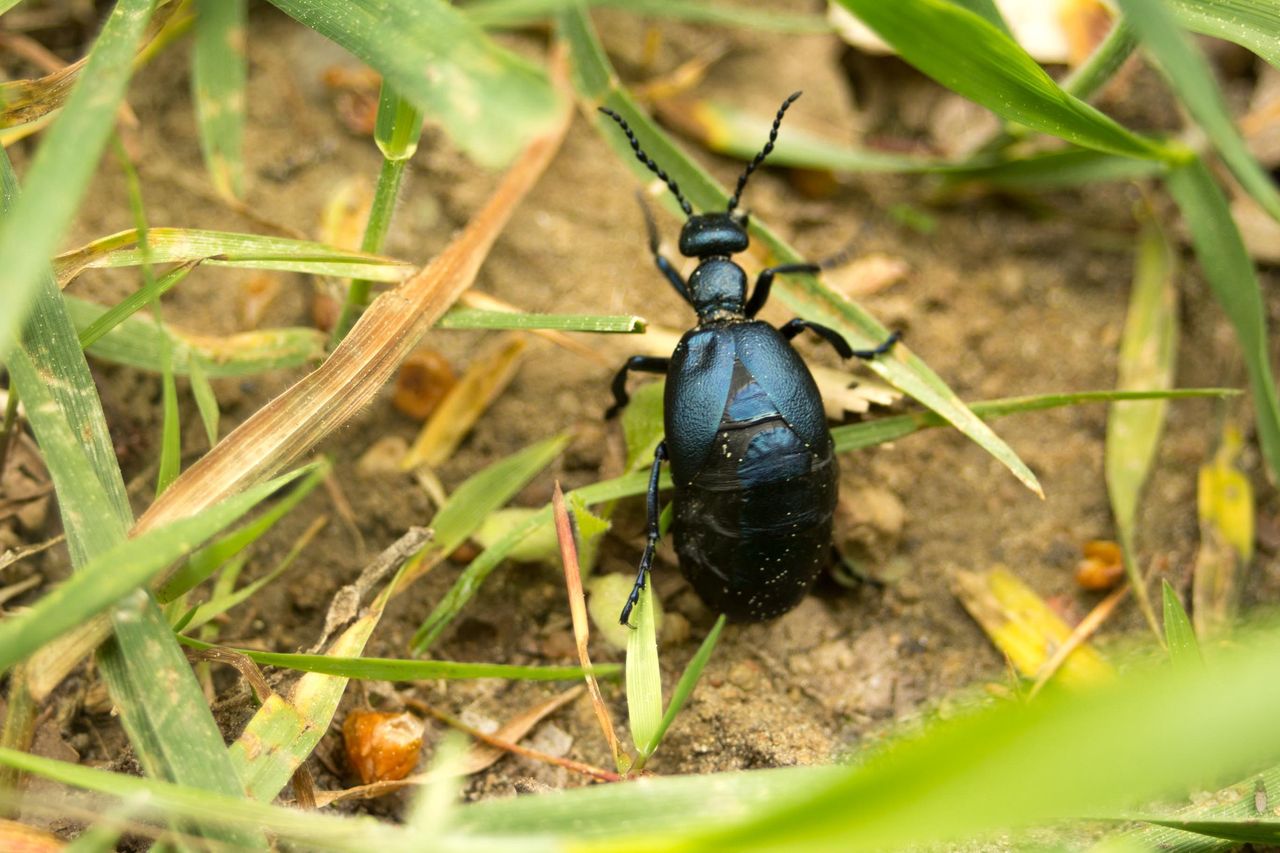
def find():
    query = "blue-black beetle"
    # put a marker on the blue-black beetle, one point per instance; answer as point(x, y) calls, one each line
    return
point(752, 460)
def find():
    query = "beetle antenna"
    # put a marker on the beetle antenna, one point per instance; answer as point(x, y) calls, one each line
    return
point(654, 167)
point(764, 152)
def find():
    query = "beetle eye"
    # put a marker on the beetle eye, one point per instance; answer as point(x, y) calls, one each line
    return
point(740, 218)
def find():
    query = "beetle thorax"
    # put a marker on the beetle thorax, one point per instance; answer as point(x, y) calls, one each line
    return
point(719, 289)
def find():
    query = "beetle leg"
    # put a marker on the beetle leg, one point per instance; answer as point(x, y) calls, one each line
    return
point(643, 363)
point(651, 545)
point(831, 336)
point(664, 265)
point(760, 295)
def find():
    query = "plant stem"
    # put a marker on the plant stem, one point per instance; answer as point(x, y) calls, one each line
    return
point(375, 232)
point(1103, 63)
point(8, 431)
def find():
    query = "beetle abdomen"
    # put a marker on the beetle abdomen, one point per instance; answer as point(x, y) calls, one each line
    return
point(753, 527)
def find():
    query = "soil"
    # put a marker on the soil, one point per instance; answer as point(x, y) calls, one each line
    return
point(1004, 295)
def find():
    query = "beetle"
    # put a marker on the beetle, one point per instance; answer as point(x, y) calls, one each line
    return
point(752, 461)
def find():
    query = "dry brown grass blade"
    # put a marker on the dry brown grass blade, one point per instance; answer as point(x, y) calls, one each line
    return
point(294, 422)
point(578, 610)
point(1087, 627)
point(1025, 629)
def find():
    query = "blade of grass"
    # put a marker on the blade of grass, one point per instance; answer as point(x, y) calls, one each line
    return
point(110, 575)
point(644, 677)
point(397, 669)
point(229, 249)
point(966, 53)
point(478, 497)
point(160, 703)
point(1245, 800)
point(597, 84)
point(225, 597)
point(1068, 167)
point(727, 129)
point(518, 13)
point(881, 430)
point(684, 688)
point(170, 432)
point(1193, 82)
point(581, 624)
point(398, 126)
point(472, 318)
point(132, 303)
point(1225, 504)
point(139, 341)
point(317, 831)
point(1148, 355)
point(218, 72)
point(1234, 282)
point(1025, 629)
point(64, 163)
point(490, 101)
point(206, 400)
point(285, 731)
point(847, 438)
point(208, 559)
point(1184, 650)
point(358, 369)
point(1250, 23)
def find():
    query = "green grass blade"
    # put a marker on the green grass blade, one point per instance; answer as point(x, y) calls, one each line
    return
point(489, 100)
point(65, 161)
point(688, 681)
point(1253, 830)
point(396, 669)
point(871, 433)
point(314, 830)
point(109, 576)
point(462, 514)
point(472, 318)
point(1254, 24)
point(139, 341)
point(967, 54)
point(1148, 354)
point(644, 675)
point(160, 704)
point(1184, 650)
point(727, 129)
point(170, 433)
point(228, 249)
point(218, 72)
point(133, 303)
point(226, 597)
point(1193, 81)
point(518, 13)
point(1069, 167)
point(1231, 275)
point(207, 560)
point(206, 400)
point(597, 84)
point(471, 579)
point(1238, 802)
